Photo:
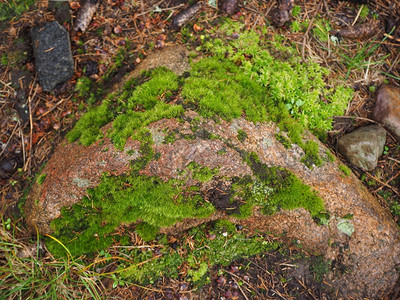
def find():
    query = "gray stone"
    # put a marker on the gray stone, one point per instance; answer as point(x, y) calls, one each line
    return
point(53, 58)
point(387, 108)
point(363, 146)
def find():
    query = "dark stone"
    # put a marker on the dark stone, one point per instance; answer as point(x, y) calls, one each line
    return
point(8, 167)
point(53, 58)
point(363, 146)
point(91, 68)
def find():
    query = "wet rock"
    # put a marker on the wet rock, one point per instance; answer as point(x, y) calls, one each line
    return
point(387, 108)
point(53, 58)
point(363, 146)
point(372, 250)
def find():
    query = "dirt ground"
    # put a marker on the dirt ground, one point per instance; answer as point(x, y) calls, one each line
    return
point(121, 35)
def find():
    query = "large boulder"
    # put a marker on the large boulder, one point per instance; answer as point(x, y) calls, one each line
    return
point(357, 234)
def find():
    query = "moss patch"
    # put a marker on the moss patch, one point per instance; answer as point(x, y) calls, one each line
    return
point(133, 109)
point(12, 9)
point(88, 226)
point(275, 188)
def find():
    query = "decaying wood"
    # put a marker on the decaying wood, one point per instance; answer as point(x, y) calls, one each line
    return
point(186, 15)
point(229, 6)
point(282, 14)
point(360, 31)
point(85, 14)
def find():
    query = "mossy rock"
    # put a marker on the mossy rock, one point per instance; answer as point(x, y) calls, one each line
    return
point(170, 160)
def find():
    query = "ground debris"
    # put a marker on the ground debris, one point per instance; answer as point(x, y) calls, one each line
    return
point(360, 31)
point(282, 13)
point(186, 15)
point(85, 14)
point(229, 6)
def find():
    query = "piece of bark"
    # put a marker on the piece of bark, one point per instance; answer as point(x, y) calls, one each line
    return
point(229, 6)
point(282, 14)
point(186, 15)
point(360, 31)
point(85, 14)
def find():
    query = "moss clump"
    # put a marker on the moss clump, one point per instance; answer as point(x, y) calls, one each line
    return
point(227, 246)
point(311, 157)
point(345, 169)
point(200, 173)
point(283, 140)
point(291, 86)
point(88, 225)
point(242, 135)
point(275, 188)
point(40, 179)
point(213, 81)
point(132, 110)
point(12, 9)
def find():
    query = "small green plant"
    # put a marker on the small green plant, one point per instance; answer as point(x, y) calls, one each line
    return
point(364, 12)
point(321, 29)
point(27, 276)
point(386, 150)
point(4, 59)
point(361, 59)
point(7, 224)
point(83, 86)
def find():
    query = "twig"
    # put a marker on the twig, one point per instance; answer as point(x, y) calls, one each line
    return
point(9, 139)
point(396, 160)
point(381, 182)
point(358, 15)
point(308, 30)
point(54, 107)
point(387, 182)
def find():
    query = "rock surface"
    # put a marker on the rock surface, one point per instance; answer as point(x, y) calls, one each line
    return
point(53, 58)
point(363, 261)
point(387, 108)
point(363, 146)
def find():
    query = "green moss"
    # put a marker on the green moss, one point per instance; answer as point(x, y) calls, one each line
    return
point(146, 231)
point(133, 109)
point(311, 157)
point(208, 252)
point(242, 135)
point(12, 9)
point(291, 86)
point(345, 169)
point(200, 173)
point(321, 29)
point(330, 156)
point(278, 188)
point(88, 226)
point(319, 267)
point(283, 140)
point(40, 179)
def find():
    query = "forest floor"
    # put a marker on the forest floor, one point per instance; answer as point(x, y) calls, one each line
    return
point(120, 36)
